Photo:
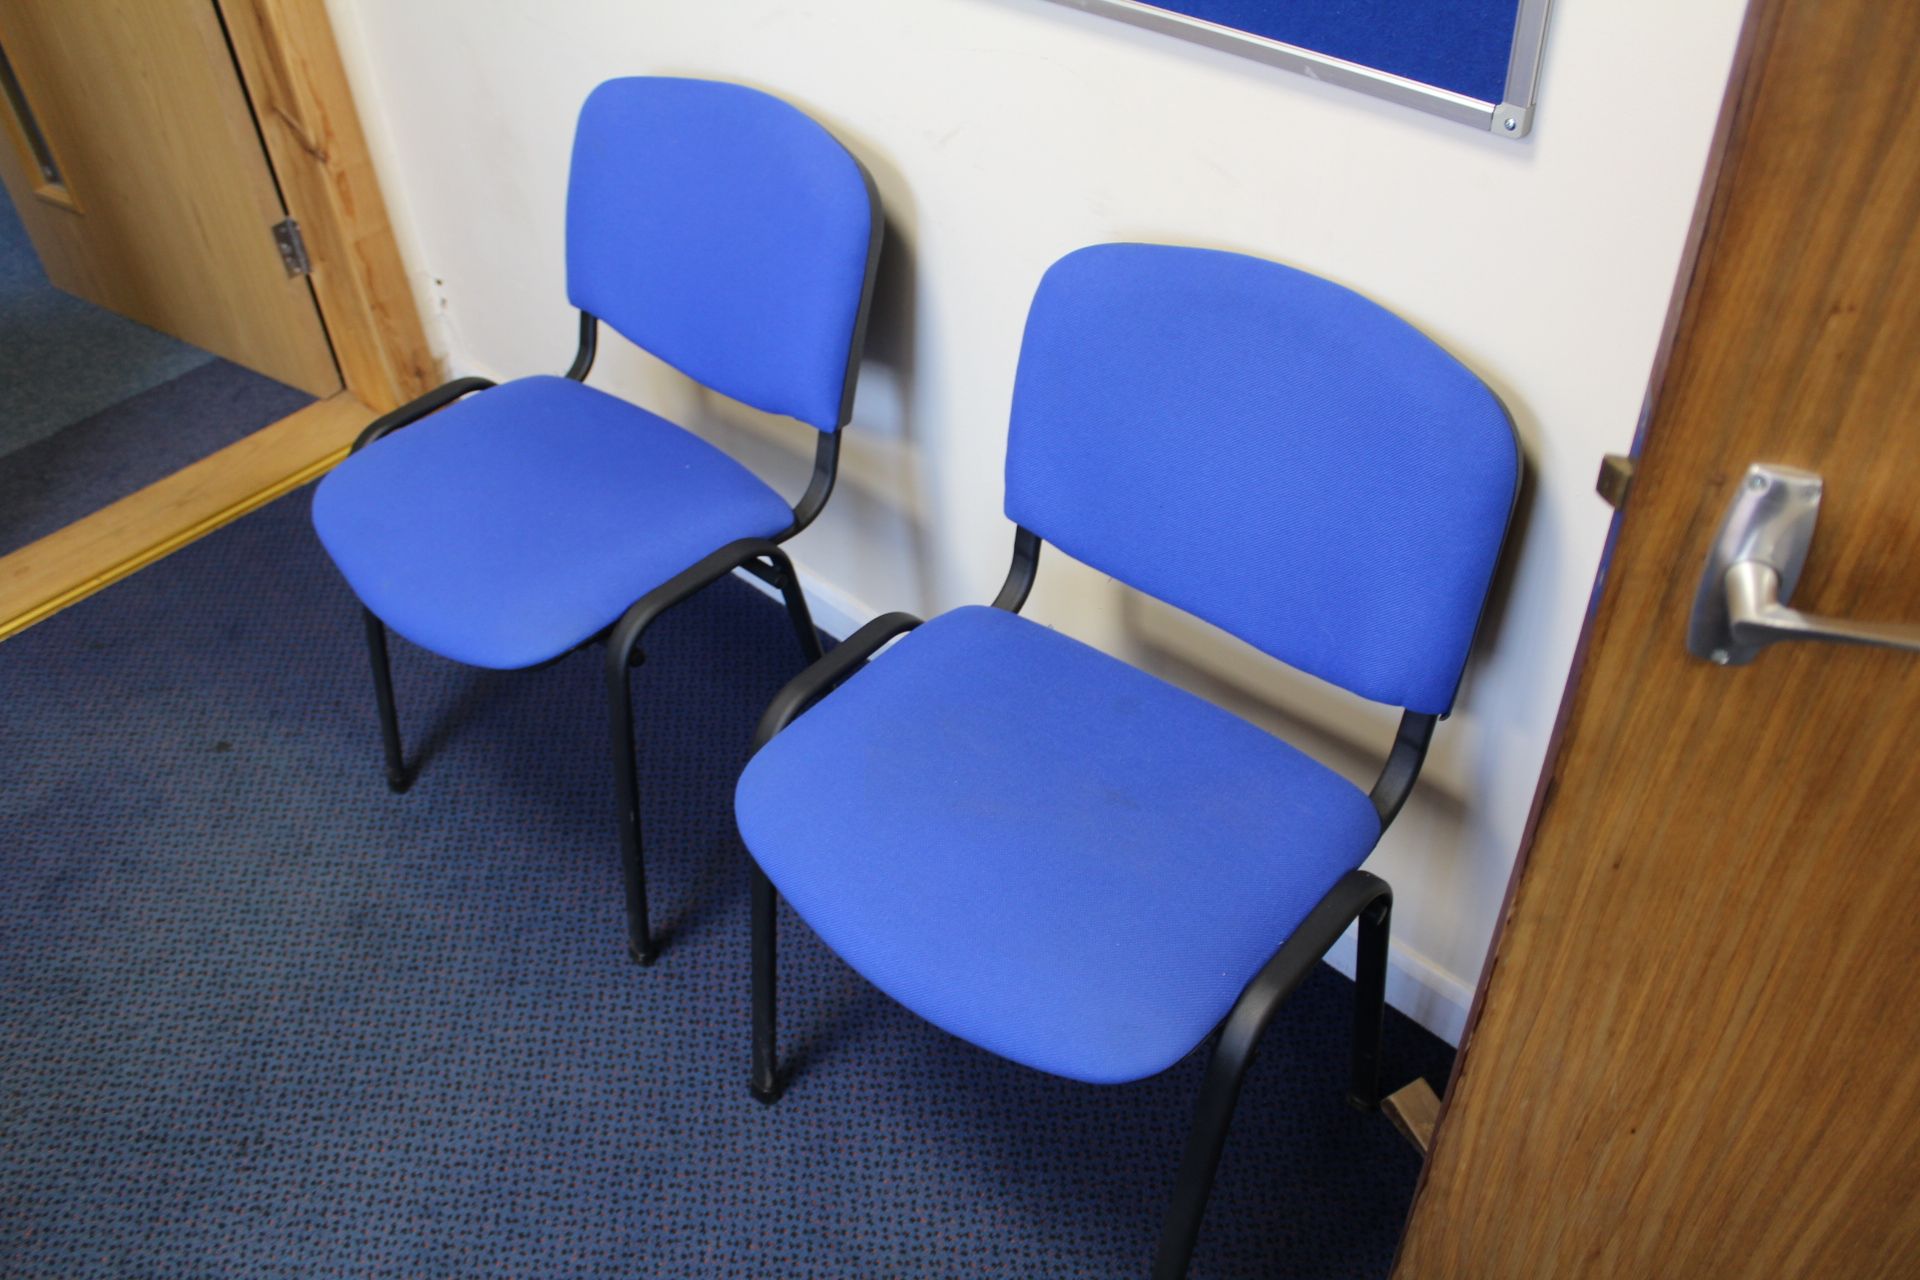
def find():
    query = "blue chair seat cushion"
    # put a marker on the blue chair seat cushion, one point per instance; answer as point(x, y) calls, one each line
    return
point(513, 525)
point(1042, 849)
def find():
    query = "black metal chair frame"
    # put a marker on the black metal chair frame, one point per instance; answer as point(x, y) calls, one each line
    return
point(761, 557)
point(1359, 895)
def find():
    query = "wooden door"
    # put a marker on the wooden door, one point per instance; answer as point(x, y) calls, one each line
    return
point(1697, 1049)
point(163, 205)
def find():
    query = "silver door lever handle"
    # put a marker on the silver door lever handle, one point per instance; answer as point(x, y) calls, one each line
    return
point(1758, 617)
point(1740, 607)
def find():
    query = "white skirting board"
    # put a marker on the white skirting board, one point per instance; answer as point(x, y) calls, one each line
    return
point(1431, 996)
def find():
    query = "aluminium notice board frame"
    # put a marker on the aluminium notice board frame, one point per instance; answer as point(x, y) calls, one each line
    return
point(1511, 117)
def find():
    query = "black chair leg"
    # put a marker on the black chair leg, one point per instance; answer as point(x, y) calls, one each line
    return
point(1232, 1055)
point(767, 1084)
point(1360, 895)
point(626, 788)
point(789, 583)
point(397, 779)
point(623, 651)
point(1369, 1003)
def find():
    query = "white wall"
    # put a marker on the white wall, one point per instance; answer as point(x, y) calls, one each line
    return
point(1003, 133)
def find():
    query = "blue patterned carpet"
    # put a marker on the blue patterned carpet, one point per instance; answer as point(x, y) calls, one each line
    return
point(259, 1017)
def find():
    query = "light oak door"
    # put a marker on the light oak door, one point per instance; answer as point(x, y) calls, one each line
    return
point(1697, 1048)
point(137, 168)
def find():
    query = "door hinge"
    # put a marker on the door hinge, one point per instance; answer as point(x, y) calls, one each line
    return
point(292, 246)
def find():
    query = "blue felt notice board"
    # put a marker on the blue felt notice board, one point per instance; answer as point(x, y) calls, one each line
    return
point(1462, 45)
point(1475, 61)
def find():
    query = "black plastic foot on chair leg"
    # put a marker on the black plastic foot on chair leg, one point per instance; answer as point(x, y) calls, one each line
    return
point(398, 782)
point(642, 956)
point(767, 1097)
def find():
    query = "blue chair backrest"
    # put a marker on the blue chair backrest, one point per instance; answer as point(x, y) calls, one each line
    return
point(1270, 452)
point(727, 233)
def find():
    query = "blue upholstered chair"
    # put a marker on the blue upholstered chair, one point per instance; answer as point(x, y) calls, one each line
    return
point(1062, 859)
point(733, 237)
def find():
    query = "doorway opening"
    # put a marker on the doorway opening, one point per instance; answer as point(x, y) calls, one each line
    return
point(95, 407)
point(201, 299)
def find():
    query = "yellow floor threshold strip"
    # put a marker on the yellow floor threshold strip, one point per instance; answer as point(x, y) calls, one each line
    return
point(62, 568)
